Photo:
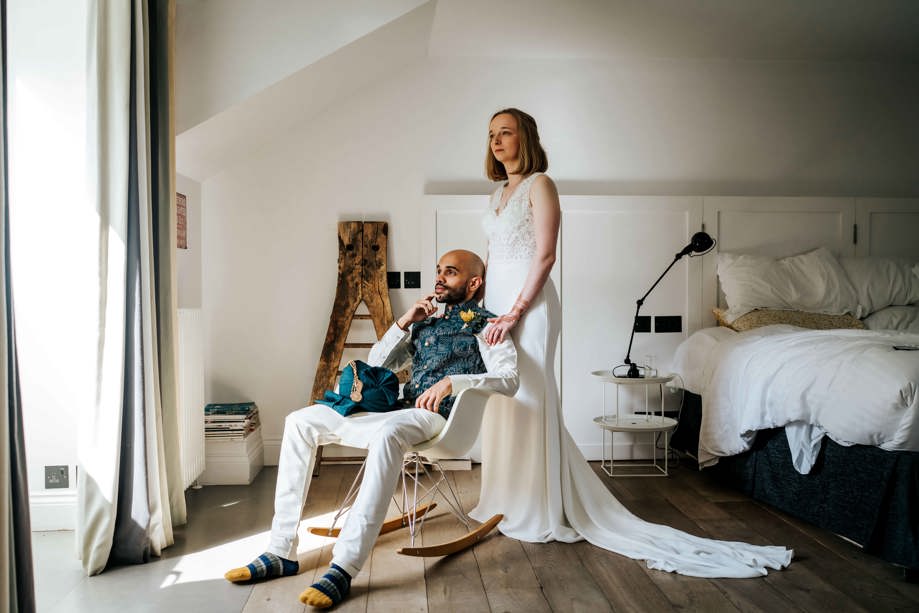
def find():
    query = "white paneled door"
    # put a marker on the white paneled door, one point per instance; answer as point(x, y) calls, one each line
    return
point(613, 250)
point(888, 227)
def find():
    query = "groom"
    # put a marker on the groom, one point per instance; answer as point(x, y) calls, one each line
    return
point(448, 354)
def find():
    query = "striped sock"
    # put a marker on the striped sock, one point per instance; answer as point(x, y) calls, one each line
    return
point(330, 590)
point(266, 566)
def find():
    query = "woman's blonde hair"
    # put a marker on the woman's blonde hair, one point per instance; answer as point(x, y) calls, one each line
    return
point(532, 157)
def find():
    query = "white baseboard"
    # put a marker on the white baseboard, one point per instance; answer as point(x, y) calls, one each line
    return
point(624, 451)
point(591, 452)
point(456, 464)
point(53, 510)
point(273, 451)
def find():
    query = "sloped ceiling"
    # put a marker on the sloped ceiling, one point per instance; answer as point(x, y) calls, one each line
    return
point(344, 47)
point(811, 30)
point(229, 50)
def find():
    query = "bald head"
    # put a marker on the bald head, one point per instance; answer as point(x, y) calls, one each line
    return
point(460, 274)
point(471, 262)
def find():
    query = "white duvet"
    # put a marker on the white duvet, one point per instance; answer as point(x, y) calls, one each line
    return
point(850, 385)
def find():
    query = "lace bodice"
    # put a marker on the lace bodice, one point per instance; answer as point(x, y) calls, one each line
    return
point(510, 233)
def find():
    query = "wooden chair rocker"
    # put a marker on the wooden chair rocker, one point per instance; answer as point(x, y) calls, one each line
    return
point(423, 478)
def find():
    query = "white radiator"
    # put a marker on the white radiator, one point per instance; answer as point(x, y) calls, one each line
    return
point(191, 394)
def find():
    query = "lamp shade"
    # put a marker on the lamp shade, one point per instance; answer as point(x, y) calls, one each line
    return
point(700, 243)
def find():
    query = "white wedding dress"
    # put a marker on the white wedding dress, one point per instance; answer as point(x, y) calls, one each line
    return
point(532, 471)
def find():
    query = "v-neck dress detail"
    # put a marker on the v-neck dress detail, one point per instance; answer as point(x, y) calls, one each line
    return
point(511, 234)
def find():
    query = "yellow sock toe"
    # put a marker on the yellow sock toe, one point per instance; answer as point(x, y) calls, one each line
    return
point(238, 574)
point(315, 598)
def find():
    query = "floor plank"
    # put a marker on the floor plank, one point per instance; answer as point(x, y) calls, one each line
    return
point(890, 575)
point(397, 582)
point(708, 487)
point(314, 553)
point(454, 583)
point(510, 582)
point(755, 594)
point(498, 574)
point(624, 582)
point(691, 593)
point(356, 602)
point(565, 585)
point(691, 504)
point(820, 577)
point(613, 485)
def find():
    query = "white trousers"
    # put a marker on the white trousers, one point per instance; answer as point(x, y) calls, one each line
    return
point(386, 436)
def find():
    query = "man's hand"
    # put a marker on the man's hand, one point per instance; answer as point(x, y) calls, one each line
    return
point(430, 399)
point(417, 312)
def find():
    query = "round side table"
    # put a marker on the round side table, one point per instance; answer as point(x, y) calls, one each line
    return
point(652, 423)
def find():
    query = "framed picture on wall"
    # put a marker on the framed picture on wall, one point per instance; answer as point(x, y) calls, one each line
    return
point(181, 222)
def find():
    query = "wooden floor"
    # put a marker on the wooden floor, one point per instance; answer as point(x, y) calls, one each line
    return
point(502, 574)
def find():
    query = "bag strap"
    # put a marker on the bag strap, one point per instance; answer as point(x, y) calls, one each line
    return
point(357, 385)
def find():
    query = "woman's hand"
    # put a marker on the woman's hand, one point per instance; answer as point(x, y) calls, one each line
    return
point(500, 327)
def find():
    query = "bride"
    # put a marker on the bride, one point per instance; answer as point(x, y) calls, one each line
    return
point(532, 472)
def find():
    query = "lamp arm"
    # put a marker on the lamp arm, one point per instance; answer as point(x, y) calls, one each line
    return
point(633, 368)
point(676, 259)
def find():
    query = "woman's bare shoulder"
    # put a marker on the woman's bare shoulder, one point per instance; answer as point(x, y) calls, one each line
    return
point(543, 187)
point(543, 179)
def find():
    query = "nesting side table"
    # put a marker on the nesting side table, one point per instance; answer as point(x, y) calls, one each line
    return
point(651, 423)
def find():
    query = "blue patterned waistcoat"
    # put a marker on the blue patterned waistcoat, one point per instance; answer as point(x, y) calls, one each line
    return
point(444, 346)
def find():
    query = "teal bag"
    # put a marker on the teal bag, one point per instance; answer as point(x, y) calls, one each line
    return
point(364, 388)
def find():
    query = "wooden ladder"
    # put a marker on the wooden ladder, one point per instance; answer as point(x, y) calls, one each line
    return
point(361, 278)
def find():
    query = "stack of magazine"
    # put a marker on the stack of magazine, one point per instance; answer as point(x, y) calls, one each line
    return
point(230, 421)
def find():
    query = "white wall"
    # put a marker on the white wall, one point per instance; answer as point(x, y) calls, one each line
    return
point(639, 126)
point(53, 240)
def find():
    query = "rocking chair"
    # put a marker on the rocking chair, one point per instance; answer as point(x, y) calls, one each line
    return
point(423, 478)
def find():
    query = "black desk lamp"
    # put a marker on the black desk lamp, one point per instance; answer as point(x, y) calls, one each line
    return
point(700, 244)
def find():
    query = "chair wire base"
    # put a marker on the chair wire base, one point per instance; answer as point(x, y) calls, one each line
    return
point(425, 483)
point(422, 480)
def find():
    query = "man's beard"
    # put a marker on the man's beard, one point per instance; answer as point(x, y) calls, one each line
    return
point(451, 295)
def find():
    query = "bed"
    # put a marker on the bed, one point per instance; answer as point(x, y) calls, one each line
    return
point(806, 396)
point(862, 493)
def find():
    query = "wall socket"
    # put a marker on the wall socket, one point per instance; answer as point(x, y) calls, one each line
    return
point(668, 323)
point(411, 279)
point(57, 477)
point(643, 323)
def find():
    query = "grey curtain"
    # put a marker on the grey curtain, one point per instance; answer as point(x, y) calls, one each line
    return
point(131, 492)
point(17, 592)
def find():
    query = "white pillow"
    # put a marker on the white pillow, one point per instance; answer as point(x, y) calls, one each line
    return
point(881, 282)
point(905, 318)
point(813, 281)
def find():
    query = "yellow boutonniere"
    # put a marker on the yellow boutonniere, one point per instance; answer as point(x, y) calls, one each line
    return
point(471, 320)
